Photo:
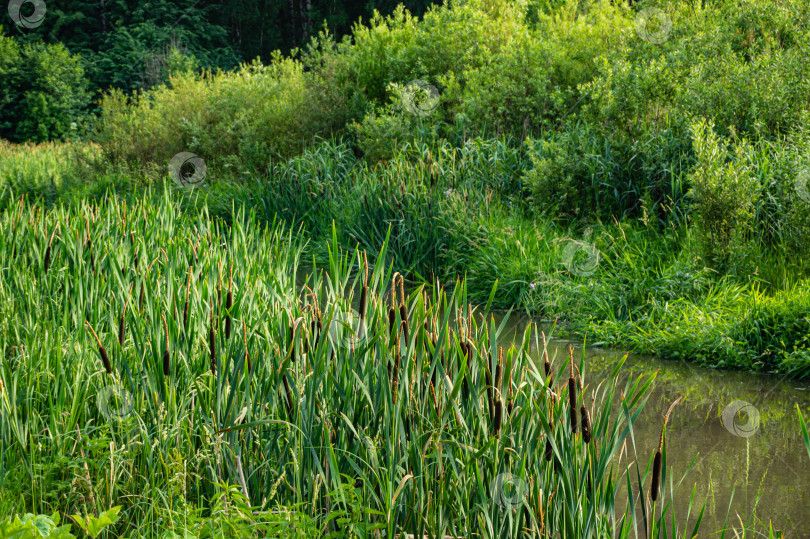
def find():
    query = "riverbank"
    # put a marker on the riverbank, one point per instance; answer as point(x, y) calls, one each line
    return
point(634, 283)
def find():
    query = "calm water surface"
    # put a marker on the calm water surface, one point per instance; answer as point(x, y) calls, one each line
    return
point(761, 454)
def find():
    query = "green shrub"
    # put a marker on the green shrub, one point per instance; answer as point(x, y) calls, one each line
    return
point(43, 95)
point(724, 190)
point(254, 114)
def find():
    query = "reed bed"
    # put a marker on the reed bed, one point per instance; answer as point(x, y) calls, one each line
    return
point(347, 405)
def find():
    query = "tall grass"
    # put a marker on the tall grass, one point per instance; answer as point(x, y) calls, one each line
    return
point(452, 212)
point(403, 421)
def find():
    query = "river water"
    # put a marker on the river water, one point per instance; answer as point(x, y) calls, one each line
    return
point(758, 452)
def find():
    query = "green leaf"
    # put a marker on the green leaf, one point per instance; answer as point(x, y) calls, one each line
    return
point(96, 525)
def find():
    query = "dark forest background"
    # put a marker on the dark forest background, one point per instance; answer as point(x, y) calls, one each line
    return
point(83, 48)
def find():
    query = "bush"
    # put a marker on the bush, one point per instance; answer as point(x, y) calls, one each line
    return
point(249, 116)
point(724, 190)
point(44, 91)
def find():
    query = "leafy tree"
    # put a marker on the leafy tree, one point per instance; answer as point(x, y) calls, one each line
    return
point(43, 90)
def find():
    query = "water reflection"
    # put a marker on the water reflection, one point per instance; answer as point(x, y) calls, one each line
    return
point(762, 454)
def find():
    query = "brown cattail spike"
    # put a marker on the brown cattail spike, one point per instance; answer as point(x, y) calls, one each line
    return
point(546, 362)
point(122, 319)
point(166, 355)
point(89, 244)
point(572, 392)
point(363, 302)
point(403, 310)
point(656, 477)
point(47, 262)
point(392, 319)
point(586, 424)
point(105, 359)
point(496, 424)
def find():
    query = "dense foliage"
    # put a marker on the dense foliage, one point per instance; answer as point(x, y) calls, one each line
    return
point(128, 45)
point(197, 362)
point(43, 92)
point(193, 355)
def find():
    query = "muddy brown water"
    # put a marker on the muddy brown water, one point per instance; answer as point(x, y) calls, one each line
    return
point(758, 453)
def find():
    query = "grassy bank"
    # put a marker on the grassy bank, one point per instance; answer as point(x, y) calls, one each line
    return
point(637, 170)
point(642, 284)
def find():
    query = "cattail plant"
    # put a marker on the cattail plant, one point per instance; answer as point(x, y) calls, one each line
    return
point(105, 359)
point(499, 373)
point(510, 388)
point(122, 319)
point(288, 393)
point(229, 304)
point(498, 419)
point(656, 476)
point(47, 262)
point(586, 424)
point(89, 245)
point(364, 291)
point(490, 398)
point(392, 312)
point(395, 374)
point(212, 343)
point(219, 292)
point(572, 391)
point(188, 292)
point(318, 331)
point(135, 258)
point(549, 449)
point(166, 354)
point(403, 310)
point(546, 362)
point(244, 340)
